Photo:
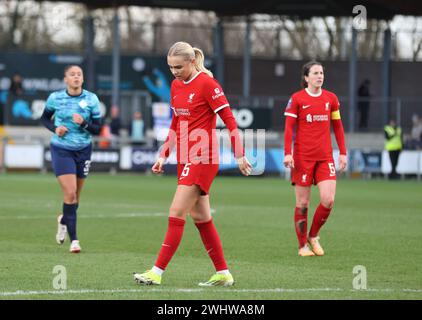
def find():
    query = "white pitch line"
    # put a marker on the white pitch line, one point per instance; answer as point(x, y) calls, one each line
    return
point(92, 216)
point(96, 216)
point(187, 290)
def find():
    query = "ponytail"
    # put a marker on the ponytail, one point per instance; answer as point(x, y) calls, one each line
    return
point(199, 62)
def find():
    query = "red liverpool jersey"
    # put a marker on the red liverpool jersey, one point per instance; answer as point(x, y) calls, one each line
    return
point(195, 104)
point(313, 115)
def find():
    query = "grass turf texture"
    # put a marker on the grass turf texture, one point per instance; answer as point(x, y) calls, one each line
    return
point(122, 222)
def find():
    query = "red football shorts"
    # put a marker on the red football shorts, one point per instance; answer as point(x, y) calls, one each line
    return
point(200, 174)
point(308, 172)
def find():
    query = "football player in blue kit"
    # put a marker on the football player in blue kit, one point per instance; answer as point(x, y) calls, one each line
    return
point(73, 115)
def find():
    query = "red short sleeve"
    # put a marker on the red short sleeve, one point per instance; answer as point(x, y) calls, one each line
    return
point(292, 108)
point(335, 103)
point(214, 95)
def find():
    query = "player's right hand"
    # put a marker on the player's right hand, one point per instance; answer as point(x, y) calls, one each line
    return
point(288, 161)
point(158, 166)
point(61, 131)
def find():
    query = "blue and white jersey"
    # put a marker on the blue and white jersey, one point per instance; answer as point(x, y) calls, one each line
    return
point(64, 106)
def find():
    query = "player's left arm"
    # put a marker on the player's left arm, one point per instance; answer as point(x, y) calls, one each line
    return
point(93, 125)
point(339, 133)
point(218, 102)
point(227, 116)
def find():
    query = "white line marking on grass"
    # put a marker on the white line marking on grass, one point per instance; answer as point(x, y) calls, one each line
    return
point(187, 290)
point(127, 215)
point(183, 290)
point(92, 216)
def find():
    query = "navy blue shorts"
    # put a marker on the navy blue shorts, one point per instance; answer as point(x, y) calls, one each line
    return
point(66, 161)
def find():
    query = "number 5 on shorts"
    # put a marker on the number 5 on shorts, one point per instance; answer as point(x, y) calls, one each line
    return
point(332, 169)
point(186, 169)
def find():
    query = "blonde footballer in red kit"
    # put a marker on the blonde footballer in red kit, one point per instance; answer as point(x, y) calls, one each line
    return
point(196, 99)
point(312, 111)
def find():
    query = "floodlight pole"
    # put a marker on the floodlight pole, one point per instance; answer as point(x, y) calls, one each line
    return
point(247, 60)
point(386, 74)
point(219, 51)
point(115, 94)
point(90, 52)
point(352, 81)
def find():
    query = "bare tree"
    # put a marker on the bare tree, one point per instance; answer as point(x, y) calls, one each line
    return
point(416, 41)
point(36, 26)
point(13, 8)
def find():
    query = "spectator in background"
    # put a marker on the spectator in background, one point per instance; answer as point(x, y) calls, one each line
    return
point(16, 88)
point(137, 128)
point(115, 124)
point(394, 145)
point(363, 104)
point(416, 133)
point(3, 100)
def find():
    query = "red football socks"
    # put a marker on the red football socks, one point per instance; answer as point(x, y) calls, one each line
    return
point(301, 225)
point(320, 216)
point(171, 242)
point(212, 243)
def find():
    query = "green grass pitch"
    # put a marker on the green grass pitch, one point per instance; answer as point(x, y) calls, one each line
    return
point(122, 220)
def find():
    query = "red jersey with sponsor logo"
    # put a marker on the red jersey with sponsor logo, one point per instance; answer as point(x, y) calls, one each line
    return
point(195, 104)
point(313, 119)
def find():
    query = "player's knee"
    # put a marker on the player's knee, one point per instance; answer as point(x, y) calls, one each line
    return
point(70, 196)
point(302, 204)
point(199, 217)
point(176, 211)
point(194, 215)
point(327, 201)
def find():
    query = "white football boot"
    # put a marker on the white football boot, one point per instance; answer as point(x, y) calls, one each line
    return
point(75, 247)
point(61, 231)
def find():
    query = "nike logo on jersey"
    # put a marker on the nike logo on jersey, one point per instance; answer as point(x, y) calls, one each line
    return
point(307, 106)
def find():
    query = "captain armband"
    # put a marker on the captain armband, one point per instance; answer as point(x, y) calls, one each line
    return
point(335, 115)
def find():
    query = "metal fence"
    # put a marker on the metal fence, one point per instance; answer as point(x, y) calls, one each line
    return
point(402, 109)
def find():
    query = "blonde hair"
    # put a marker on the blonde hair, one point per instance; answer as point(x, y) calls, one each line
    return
point(190, 53)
